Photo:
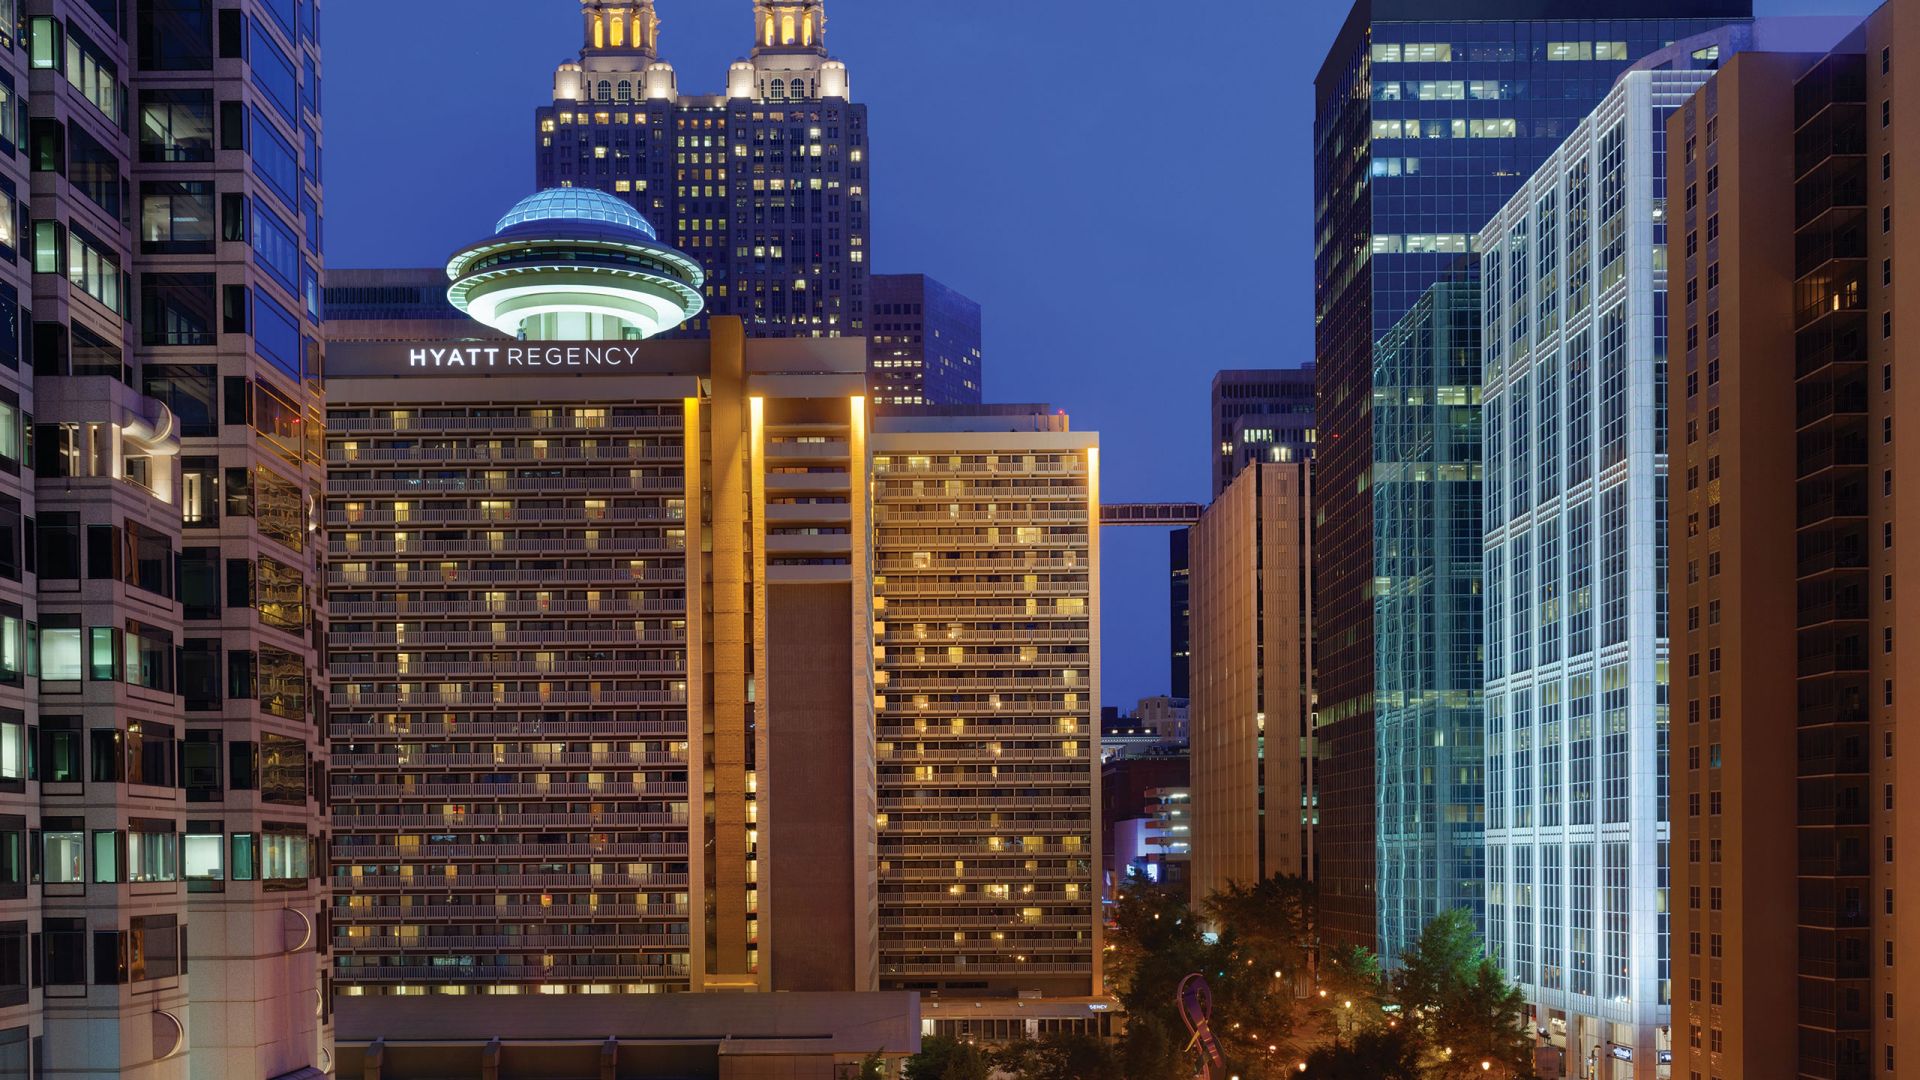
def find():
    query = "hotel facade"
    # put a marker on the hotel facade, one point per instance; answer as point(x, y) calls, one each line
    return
point(663, 668)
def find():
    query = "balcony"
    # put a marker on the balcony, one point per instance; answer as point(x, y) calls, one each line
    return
point(488, 913)
point(487, 669)
point(613, 605)
point(340, 576)
point(403, 947)
point(435, 699)
point(613, 453)
point(425, 884)
point(486, 822)
point(422, 424)
point(517, 512)
point(431, 726)
point(496, 973)
point(437, 485)
point(440, 793)
point(612, 634)
point(345, 854)
point(431, 760)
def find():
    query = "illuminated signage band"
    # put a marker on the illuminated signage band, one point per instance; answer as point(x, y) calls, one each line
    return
point(523, 355)
point(506, 358)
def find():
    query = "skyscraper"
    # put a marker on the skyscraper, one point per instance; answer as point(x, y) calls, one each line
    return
point(1260, 414)
point(764, 182)
point(629, 764)
point(924, 343)
point(1251, 714)
point(161, 768)
point(1428, 117)
point(1575, 284)
point(986, 608)
point(534, 669)
point(1790, 254)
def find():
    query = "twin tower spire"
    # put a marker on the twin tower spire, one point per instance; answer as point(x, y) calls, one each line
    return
point(632, 27)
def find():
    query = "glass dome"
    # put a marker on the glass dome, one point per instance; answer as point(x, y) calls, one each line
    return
point(575, 205)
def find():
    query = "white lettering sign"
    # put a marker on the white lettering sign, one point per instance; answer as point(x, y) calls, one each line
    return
point(523, 355)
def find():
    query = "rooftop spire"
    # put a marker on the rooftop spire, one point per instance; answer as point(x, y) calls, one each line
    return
point(621, 26)
point(790, 26)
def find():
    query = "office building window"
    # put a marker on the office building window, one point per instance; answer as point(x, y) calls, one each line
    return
point(176, 125)
point(176, 35)
point(153, 853)
point(153, 948)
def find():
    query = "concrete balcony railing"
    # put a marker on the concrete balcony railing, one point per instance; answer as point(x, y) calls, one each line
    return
point(1006, 517)
point(429, 668)
point(442, 792)
point(919, 801)
point(610, 606)
point(612, 454)
point(515, 638)
point(358, 823)
point(429, 885)
point(340, 577)
point(429, 854)
point(497, 912)
point(435, 699)
point(431, 760)
point(339, 515)
point(382, 546)
point(437, 485)
point(432, 727)
point(338, 424)
point(444, 973)
point(404, 947)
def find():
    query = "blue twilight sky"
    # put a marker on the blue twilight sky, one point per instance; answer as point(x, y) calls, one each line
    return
point(1126, 189)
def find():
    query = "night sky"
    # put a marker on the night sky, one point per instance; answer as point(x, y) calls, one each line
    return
point(1126, 188)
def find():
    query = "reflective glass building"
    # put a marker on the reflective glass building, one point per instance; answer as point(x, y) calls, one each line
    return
point(1429, 116)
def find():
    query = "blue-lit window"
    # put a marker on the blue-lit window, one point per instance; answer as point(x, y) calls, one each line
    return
point(310, 290)
point(276, 334)
point(285, 13)
point(276, 247)
point(274, 161)
point(274, 73)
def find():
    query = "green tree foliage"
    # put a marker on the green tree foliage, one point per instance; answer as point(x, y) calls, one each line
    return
point(943, 1057)
point(1459, 1000)
point(1379, 1054)
point(1260, 960)
point(1057, 1056)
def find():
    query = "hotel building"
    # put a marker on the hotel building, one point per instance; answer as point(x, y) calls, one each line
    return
point(1791, 189)
point(1250, 717)
point(623, 662)
point(1428, 117)
point(985, 606)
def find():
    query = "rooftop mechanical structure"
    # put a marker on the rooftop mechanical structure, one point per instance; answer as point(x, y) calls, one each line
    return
point(568, 264)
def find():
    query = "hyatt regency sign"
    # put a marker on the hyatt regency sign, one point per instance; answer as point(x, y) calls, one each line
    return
point(368, 359)
point(527, 354)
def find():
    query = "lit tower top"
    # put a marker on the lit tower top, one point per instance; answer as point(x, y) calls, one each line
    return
point(790, 26)
point(621, 26)
point(789, 61)
point(568, 264)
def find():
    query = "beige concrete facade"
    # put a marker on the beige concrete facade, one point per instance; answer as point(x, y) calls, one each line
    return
point(563, 716)
point(986, 604)
point(1250, 717)
point(1791, 857)
point(816, 1036)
